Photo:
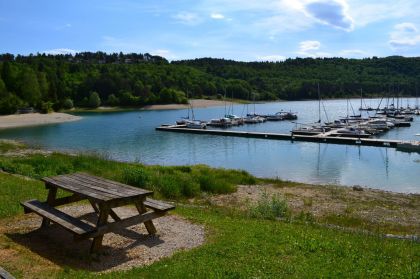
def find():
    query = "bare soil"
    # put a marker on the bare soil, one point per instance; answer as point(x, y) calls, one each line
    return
point(396, 211)
point(33, 119)
point(196, 103)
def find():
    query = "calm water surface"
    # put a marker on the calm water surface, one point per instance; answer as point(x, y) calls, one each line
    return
point(130, 136)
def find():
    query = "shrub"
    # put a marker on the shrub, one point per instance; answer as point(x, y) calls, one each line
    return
point(175, 184)
point(113, 100)
point(46, 107)
point(68, 103)
point(94, 100)
point(271, 209)
point(10, 104)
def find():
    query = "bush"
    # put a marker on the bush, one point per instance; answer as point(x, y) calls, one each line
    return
point(46, 107)
point(177, 185)
point(136, 176)
point(271, 209)
point(94, 100)
point(68, 103)
point(10, 104)
point(113, 100)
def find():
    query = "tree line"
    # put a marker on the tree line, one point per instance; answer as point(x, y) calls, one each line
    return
point(87, 79)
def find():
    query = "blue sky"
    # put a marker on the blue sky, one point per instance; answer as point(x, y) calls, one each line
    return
point(235, 29)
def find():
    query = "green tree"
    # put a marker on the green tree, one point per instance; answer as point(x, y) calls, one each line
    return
point(3, 89)
point(94, 100)
point(10, 104)
point(112, 100)
point(29, 89)
point(68, 103)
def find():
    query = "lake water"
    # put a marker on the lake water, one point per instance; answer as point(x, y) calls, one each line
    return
point(131, 136)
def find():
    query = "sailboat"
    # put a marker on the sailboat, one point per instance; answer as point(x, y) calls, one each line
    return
point(191, 123)
point(367, 108)
point(311, 129)
point(253, 118)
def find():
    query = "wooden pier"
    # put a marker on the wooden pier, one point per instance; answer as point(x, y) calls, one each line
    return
point(289, 137)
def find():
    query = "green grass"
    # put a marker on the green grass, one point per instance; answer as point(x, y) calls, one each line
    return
point(169, 182)
point(6, 146)
point(14, 189)
point(239, 247)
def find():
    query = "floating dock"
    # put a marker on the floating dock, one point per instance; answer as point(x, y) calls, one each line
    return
point(289, 137)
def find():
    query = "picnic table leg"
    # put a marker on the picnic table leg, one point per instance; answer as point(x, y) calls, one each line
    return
point(149, 224)
point(111, 212)
point(52, 193)
point(102, 220)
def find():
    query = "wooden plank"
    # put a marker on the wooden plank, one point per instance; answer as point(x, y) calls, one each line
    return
point(138, 219)
point(90, 187)
point(76, 190)
point(66, 221)
point(158, 205)
point(116, 191)
point(5, 275)
point(114, 184)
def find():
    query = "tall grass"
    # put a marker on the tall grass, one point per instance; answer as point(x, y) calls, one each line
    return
point(170, 182)
point(270, 208)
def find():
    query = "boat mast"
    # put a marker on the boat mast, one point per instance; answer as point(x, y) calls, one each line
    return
point(319, 105)
point(225, 101)
point(361, 98)
point(188, 109)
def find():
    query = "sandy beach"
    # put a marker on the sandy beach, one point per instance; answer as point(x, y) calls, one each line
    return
point(33, 119)
point(196, 103)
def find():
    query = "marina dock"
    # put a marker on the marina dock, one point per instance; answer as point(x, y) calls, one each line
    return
point(289, 137)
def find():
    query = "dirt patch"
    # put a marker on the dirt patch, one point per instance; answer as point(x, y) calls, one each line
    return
point(122, 250)
point(374, 206)
point(33, 119)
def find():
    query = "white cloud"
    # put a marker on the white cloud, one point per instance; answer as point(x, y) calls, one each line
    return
point(404, 35)
point(217, 16)
point(272, 58)
point(187, 18)
point(63, 51)
point(365, 12)
point(309, 45)
point(311, 49)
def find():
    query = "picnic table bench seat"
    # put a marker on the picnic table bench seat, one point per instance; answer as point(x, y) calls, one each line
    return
point(68, 222)
point(158, 205)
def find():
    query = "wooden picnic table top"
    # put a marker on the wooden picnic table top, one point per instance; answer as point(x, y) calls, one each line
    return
point(95, 188)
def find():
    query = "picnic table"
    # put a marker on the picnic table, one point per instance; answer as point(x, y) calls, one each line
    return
point(103, 195)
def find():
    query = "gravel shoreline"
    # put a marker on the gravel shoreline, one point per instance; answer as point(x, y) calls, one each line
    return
point(34, 119)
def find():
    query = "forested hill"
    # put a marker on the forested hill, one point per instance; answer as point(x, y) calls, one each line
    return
point(92, 79)
point(295, 79)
